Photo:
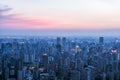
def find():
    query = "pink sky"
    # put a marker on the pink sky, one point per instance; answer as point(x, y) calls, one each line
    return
point(61, 14)
point(18, 22)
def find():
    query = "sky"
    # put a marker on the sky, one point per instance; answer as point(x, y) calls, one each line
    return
point(96, 16)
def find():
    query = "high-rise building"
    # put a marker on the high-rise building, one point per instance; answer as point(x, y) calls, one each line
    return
point(58, 45)
point(64, 41)
point(75, 75)
point(101, 40)
point(64, 44)
point(45, 61)
point(12, 73)
point(58, 40)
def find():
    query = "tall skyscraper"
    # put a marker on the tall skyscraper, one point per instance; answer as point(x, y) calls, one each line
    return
point(58, 45)
point(64, 44)
point(58, 40)
point(64, 41)
point(12, 73)
point(101, 40)
point(45, 61)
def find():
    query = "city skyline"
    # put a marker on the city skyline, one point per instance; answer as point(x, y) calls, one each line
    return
point(59, 39)
point(59, 58)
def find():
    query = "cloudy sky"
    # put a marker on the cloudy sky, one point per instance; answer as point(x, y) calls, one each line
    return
point(83, 15)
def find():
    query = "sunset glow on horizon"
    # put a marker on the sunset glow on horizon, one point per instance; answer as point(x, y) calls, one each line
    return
point(60, 14)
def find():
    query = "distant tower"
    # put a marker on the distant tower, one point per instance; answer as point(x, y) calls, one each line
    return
point(115, 63)
point(12, 73)
point(114, 53)
point(20, 72)
point(89, 70)
point(12, 69)
point(101, 40)
point(64, 43)
point(45, 60)
point(58, 40)
point(58, 45)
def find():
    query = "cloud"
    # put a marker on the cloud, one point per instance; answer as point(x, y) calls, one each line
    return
point(4, 12)
point(5, 9)
point(16, 21)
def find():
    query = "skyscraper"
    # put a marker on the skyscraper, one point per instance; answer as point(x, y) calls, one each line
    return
point(101, 40)
point(58, 45)
point(45, 61)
